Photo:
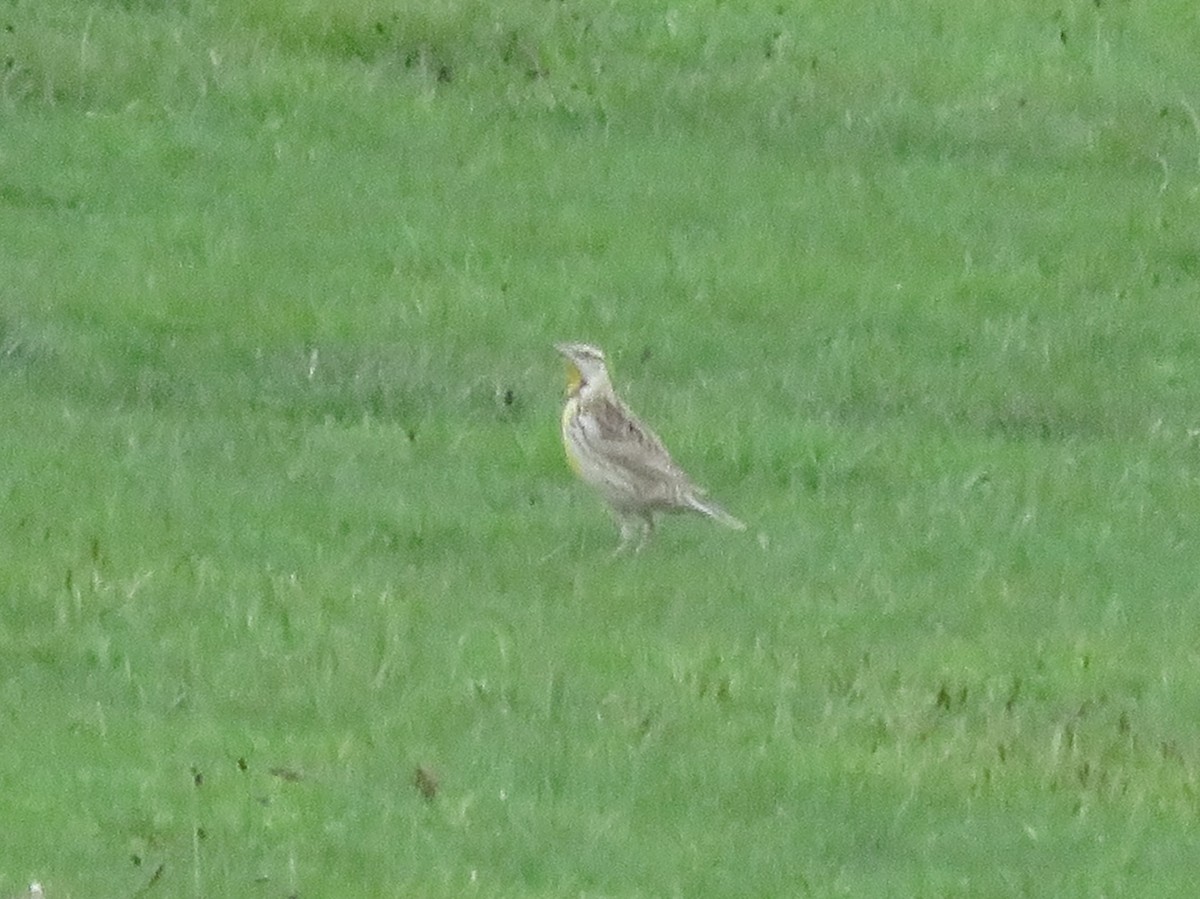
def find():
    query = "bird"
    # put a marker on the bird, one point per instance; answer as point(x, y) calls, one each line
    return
point(615, 453)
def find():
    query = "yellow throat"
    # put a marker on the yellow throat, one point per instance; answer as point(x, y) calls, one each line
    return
point(574, 379)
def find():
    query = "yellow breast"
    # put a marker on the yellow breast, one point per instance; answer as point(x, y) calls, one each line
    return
point(568, 414)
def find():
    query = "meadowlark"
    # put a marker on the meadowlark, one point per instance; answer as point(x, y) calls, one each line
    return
point(614, 452)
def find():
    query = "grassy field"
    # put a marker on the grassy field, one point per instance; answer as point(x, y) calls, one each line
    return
point(298, 597)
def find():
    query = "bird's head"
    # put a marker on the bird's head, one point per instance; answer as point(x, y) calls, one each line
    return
point(585, 366)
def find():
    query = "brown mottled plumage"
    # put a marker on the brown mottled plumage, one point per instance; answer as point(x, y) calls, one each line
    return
point(612, 450)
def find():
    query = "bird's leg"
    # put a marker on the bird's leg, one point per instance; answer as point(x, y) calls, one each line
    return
point(629, 527)
point(647, 528)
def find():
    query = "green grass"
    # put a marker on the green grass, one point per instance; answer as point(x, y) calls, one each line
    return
point(911, 287)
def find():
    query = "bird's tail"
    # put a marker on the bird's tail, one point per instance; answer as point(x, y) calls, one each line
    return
point(707, 507)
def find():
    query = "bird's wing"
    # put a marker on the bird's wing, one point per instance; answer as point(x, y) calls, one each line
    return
point(627, 440)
